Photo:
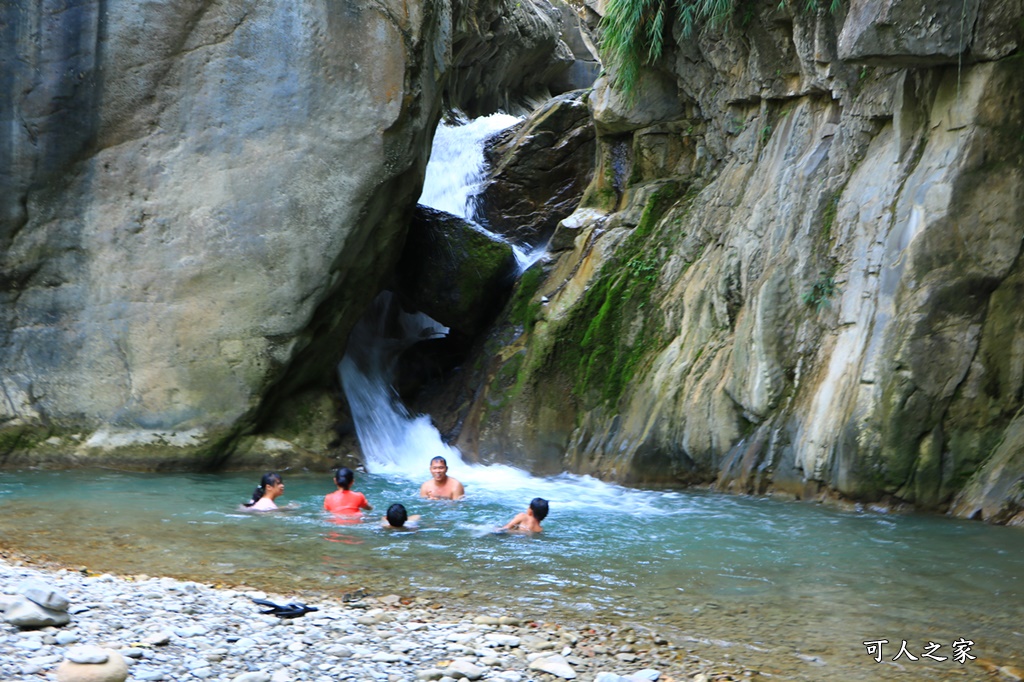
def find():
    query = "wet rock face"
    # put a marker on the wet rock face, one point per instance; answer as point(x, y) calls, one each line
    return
point(914, 33)
point(539, 170)
point(773, 289)
point(507, 56)
point(907, 32)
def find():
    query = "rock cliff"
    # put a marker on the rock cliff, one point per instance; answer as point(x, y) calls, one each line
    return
point(797, 269)
point(198, 198)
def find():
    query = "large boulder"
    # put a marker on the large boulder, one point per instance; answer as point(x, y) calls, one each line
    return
point(183, 210)
point(507, 56)
point(454, 272)
point(538, 170)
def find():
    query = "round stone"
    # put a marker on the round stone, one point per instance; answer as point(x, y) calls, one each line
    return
point(115, 669)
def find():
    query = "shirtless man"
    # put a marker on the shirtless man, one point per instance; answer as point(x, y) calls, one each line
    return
point(441, 486)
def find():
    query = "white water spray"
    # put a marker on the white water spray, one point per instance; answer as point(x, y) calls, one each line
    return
point(456, 172)
point(456, 169)
point(393, 441)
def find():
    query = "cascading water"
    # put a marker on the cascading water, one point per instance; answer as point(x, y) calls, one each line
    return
point(392, 440)
point(456, 171)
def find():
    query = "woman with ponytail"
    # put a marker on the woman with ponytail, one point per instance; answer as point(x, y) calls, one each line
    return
point(344, 501)
point(271, 486)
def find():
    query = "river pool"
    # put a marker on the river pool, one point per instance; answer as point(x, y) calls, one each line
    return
point(790, 588)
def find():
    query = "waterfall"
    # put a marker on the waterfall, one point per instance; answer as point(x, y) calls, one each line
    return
point(456, 172)
point(392, 440)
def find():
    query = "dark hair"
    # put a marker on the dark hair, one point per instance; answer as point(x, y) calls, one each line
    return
point(344, 477)
point(397, 516)
point(440, 459)
point(539, 507)
point(269, 478)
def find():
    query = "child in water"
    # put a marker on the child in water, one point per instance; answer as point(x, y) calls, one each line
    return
point(397, 518)
point(529, 521)
point(343, 501)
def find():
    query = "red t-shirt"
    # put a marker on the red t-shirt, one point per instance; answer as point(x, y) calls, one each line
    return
point(346, 502)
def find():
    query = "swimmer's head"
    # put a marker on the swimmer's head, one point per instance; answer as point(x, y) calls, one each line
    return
point(269, 480)
point(344, 477)
point(539, 507)
point(397, 516)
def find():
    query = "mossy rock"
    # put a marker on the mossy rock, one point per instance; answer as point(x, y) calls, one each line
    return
point(454, 272)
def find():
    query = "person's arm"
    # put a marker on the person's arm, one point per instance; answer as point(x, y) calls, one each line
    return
point(423, 490)
point(365, 504)
point(516, 520)
point(459, 492)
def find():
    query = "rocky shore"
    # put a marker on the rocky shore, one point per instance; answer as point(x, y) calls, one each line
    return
point(178, 631)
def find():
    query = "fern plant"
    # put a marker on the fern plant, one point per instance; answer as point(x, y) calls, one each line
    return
point(633, 31)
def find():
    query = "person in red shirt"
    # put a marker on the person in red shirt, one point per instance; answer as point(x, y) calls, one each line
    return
point(344, 501)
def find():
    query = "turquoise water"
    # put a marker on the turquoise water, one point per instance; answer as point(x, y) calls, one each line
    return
point(786, 587)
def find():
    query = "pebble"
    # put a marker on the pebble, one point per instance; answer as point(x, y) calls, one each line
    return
point(164, 630)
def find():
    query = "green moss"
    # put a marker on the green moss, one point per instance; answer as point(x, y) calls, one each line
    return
point(508, 382)
point(828, 217)
point(21, 437)
point(821, 292)
point(614, 328)
point(523, 309)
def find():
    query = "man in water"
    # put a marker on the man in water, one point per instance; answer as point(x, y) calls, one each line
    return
point(441, 486)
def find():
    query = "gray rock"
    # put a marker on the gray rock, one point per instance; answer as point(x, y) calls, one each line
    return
point(501, 639)
point(65, 637)
point(609, 677)
point(648, 674)
point(157, 639)
point(385, 657)
point(252, 677)
point(539, 170)
point(44, 595)
point(28, 614)
point(554, 665)
point(453, 272)
point(461, 668)
point(281, 676)
point(150, 675)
